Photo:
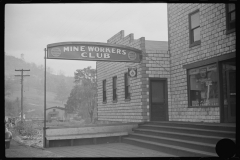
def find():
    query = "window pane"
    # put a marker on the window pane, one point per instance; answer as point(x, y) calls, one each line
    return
point(114, 94)
point(232, 25)
point(128, 89)
point(204, 86)
point(195, 20)
point(104, 96)
point(114, 82)
point(196, 34)
point(231, 7)
point(232, 16)
point(104, 85)
point(125, 79)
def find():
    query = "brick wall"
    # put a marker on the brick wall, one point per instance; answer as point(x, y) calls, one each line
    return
point(214, 42)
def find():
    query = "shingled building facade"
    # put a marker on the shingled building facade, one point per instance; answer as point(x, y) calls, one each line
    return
point(191, 78)
point(132, 101)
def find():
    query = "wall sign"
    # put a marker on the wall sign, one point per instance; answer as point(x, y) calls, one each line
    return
point(93, 51)
point(132, 72)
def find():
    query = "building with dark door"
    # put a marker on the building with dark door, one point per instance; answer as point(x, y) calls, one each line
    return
point(202, 45)
point(190, 78)
point(135, 99)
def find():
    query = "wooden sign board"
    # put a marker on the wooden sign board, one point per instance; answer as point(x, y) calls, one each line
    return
point(93, 51)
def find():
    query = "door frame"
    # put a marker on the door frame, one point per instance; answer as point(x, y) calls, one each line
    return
point(223, 119)
point(230, 118)
point(166, 96)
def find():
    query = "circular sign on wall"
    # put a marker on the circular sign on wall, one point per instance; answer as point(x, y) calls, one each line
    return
point(132, 72)
point(56, 52)
point(132, 55)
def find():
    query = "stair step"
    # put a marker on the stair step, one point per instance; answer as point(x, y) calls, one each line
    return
point(212, 126)
point(205, 144)
point(176, 142)
point(189, 130)
point(177, 150)
point(184, 136)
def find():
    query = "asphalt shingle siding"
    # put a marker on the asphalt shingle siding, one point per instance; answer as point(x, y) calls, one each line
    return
point(136, 109)
point(214, 42)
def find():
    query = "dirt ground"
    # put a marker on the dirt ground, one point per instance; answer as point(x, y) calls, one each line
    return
point(37, 140)
point(20, 150)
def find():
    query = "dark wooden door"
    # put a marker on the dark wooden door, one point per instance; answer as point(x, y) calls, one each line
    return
point(158, 100)
point(228, 90)
point(231, 95)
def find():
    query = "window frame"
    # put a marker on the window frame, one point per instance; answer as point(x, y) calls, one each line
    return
point(189, 87)
point(114, 95)
point(127, 86)
point(191, 36)
point(104, 91)
point(228, 30)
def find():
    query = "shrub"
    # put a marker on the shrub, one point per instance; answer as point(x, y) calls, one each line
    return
point(25, 129)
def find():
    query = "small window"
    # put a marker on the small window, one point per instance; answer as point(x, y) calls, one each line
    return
point(203, 84)
point(104, 91)
point(194, 28)
point(127, 86)
point(114, 88)
point(230, 18)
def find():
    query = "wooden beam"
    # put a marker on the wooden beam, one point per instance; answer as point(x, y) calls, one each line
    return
point(210, 60)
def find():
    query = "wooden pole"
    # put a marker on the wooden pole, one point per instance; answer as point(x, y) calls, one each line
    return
point(22, 90)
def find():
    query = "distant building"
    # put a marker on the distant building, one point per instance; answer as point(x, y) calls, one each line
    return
point(55, 113)
point(192, 77)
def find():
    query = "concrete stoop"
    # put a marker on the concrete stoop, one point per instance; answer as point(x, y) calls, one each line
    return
point(181, 139)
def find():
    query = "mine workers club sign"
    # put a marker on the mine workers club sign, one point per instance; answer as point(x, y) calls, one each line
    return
point(93, 51)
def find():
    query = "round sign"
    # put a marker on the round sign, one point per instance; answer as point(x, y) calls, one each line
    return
point(132, 73)
point(56, 52)
point(203, 72)
point(132, 55)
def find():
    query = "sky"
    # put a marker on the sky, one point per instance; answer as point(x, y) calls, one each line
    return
point(29, 28)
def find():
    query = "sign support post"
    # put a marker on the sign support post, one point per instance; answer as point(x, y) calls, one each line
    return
point(44, 127)
point(89, 51)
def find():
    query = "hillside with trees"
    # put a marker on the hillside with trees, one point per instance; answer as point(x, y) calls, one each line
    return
point(77, 94)
point(58, 86)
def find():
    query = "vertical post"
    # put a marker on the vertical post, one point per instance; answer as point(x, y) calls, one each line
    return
point(44, 127)
point(22, 96)
point(22, 90)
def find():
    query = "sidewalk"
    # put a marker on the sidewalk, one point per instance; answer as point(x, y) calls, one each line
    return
point(107, 150)
point(99, 150)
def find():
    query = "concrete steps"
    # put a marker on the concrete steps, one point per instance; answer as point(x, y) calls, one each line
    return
point(181, 139)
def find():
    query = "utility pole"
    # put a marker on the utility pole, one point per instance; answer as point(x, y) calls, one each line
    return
point(22, 90)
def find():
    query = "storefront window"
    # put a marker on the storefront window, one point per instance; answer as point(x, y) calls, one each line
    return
point(203, 86)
